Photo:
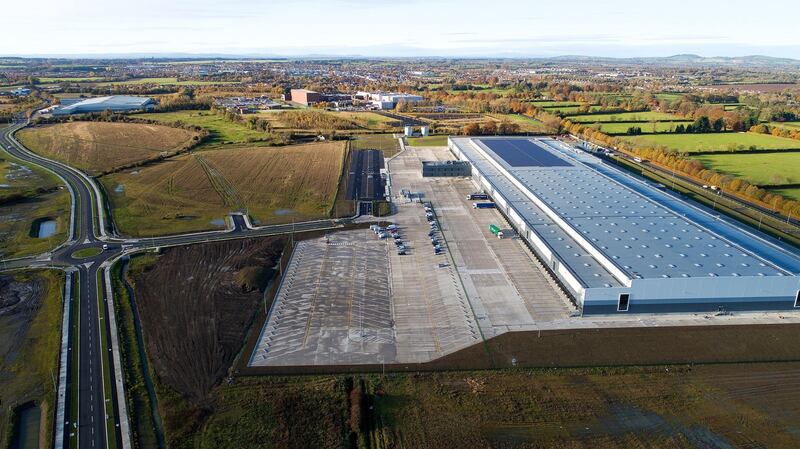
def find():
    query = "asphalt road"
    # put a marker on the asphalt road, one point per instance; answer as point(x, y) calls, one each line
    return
point(93, 357)
point(96, 404)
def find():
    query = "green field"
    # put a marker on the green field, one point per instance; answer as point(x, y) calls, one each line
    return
point(573, 109)
point(46, 79)
point(552, 103)
point(526, 124)
point(669, 96)
point(563, 110)
point(622, 127)
point(384, 142)
point(624, 117)
point(221, 129)
point(788, 193)
point(768, 168)
point(162, 82)
point(792, 126)
point(688, 143)
point(369, 120)
point(86, 252)
point(430, 141)
point(30, 194)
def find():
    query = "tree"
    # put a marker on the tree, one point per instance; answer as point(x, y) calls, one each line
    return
point(634, 131)
point(489, 127)
point(508, 127)
point(472, 129)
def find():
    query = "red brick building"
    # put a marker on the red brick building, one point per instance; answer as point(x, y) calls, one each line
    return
point(304, 96)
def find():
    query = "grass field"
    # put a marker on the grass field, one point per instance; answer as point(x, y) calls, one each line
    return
point(571, 109)
point(430, 141)
point(46, 79)
point(659, 407)
point(86, 252)
point(384, 142)
point(688, 143)
point(526, 124)
point(769, 168)
point(324, 120)
point(551, 103)
point(30, 194)
point(30, 335)
point(622, 127)
point(161, 82)
point(195, 192)
point(793, 193)
point(792, 126)
point(98, 147)
point(221, 130)
point(624, 117)
point(713, 406)
point(669, 96)
point(369, 120)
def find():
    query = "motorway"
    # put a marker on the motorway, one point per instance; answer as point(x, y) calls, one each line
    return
point(94, 346)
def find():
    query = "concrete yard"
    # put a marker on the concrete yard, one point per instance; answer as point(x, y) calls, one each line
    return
point(505, 284)
point(350, 298)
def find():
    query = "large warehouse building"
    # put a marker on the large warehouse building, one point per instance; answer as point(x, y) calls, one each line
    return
point(619, 244)
point(115, 103)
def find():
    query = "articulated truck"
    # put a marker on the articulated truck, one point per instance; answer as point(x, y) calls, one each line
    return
point(496, 231)
point(483, 205)
point(478, 196)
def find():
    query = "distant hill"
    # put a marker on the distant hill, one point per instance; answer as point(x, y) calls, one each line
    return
point(689, 60)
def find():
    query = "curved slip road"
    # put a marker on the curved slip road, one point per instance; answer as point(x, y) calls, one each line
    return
point(99, 385)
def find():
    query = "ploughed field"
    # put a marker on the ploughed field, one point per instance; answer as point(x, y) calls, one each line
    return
point(99, 147)
point(196, 304)
point(196, 191)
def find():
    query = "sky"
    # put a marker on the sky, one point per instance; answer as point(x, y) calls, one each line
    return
point(469, 28)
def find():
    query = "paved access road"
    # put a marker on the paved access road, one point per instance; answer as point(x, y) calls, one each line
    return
point(100, 405)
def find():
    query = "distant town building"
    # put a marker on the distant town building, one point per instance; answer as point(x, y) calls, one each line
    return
point(387, 100)
point(115, 103)
point(305, 96)
point(21, 92)
point(246, 105)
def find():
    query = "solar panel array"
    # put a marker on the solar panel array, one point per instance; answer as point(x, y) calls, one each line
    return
point(524, 153)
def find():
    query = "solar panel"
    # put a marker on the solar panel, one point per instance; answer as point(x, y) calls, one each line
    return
point(524, 153)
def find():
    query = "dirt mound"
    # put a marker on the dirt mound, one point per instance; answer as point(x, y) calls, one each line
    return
point(196, 304)
point(18, 297)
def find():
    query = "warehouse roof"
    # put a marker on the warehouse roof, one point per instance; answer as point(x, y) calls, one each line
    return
point(597, 224)
point(114, 103)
